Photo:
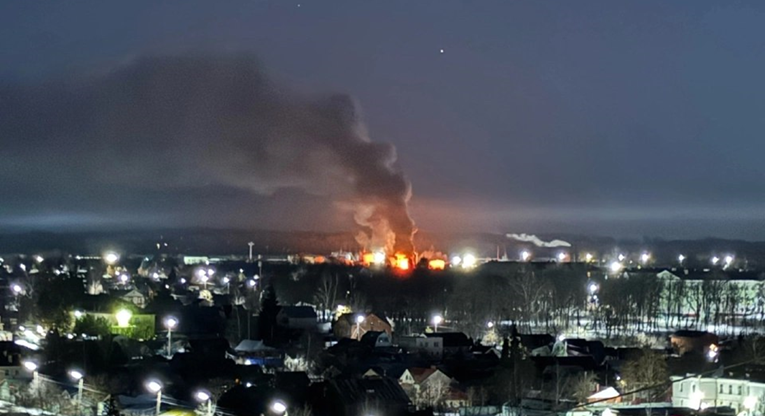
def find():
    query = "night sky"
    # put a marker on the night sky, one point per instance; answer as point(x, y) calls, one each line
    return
point(612, 118)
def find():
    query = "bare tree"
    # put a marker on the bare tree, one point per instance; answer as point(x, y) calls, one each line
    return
point(433, 393)
point(531, 292)
point(646, 371)
point(326, 294)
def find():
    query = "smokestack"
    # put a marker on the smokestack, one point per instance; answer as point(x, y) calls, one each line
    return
point(186, 122)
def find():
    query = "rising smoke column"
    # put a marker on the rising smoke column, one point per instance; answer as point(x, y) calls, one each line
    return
point(186, 122)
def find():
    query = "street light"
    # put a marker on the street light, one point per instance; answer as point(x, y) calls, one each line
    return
point(170, 324)
point(359, 320)
point(155, 386)
point(615, 267)
point(17, 289)
point(111, 257)
point(123, 318)
point(680, 259)
point(204, 397)
point(468, 261)
point(561, 257)
point(525, 255)
point(588, 257)
point(78, 377)
point(437, 321)
point(279, 407)
point(645, 257)
point(31, 366)
point(593, 288)
point(715, 260)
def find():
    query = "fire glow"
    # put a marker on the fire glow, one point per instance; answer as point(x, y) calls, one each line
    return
point(436, 264)
point(401, 261)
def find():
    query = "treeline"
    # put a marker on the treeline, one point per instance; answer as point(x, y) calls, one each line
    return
point(552, 298)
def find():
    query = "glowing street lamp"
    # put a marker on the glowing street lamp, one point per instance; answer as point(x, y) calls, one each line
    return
point(124, 278)
point(17, 289)
point(437, 321)
point(680, 259)
point(279, 408)
point(562, 257)
point(469, 261)
point(615, 267)
point(205, 397)
point(593, 288)
point(750, 403)
point(155, 387)
point(123, 317)
point(78, 377)
point(456, 260)
point(359, 320)
point(111, 258)
point(525, 255)
point(728, 260)
point(170, 324)
point(621, 257)
point(588, 257)
point(32, 366)
point(645, 257)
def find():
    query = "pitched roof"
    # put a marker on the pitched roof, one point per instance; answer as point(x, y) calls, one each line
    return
point(452, 339)
point(251, 345)
point(298, 312)
point(352, 391)
point(420, 374)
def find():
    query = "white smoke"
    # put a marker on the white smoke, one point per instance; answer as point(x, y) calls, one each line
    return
point(531, 238)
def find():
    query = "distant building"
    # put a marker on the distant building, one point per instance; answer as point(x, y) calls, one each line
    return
point(365, 396)
point(454, 343)
point(376, 339)
point(707, 392)
point(346, 325)
point(297, 317)
point(255, 352)
point(685, 341)
point(135, 297)
point(433, 348)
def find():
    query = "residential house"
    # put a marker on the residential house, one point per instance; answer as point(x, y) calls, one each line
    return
point(431, 387)
point(432, 347)
point(297, 317)
point(453, 343)
point(365, 396)
point(135, 297)
point(255, 352)
point(347, 326)
point(376, 339)
point(702, 392)
point(685, 341)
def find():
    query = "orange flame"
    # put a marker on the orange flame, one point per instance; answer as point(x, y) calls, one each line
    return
point(368, 259)
point(401, 261)
point(437, 264)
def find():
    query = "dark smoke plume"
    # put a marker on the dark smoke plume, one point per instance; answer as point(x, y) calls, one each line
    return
point(191, 121)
